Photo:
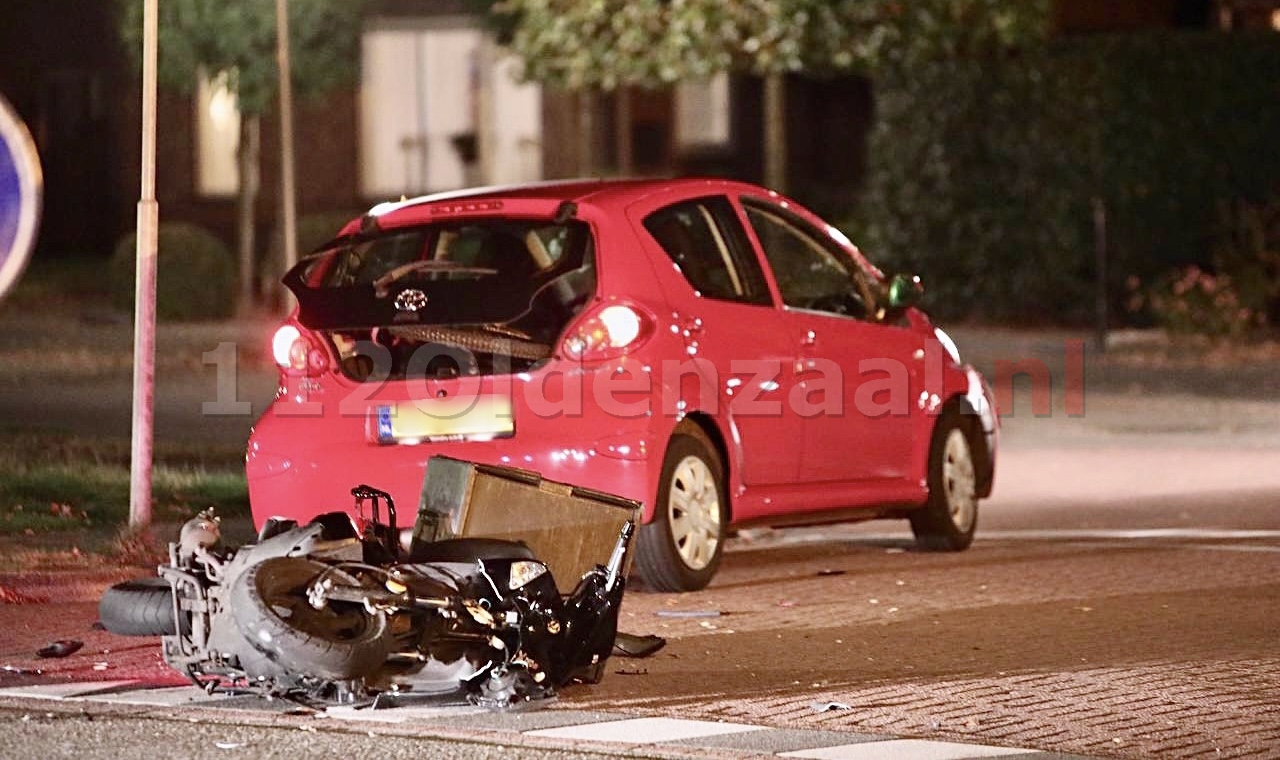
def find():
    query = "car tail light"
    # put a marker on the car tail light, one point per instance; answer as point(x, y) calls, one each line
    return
point(296, 354)
point(608, 332)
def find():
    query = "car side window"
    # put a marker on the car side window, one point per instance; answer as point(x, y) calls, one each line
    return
point(810, 273)
point(705, 240)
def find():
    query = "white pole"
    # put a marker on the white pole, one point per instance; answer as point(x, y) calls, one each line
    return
point(144, 324)
point(288, 207)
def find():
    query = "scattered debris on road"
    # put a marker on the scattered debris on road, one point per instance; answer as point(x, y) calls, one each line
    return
point(60, 648)
point(830, 706)
point(10, 596)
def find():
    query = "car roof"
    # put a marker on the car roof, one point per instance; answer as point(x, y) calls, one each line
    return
point(595, 191)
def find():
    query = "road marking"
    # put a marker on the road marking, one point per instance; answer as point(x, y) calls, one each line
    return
point(916, 749)
point(398, 714)
point(165, 696)
point(801, 536)
point(1129, 534)
point(644, 730)
point(1238, 548)
point(60, 691)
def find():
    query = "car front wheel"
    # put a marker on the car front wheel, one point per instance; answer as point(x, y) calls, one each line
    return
point(950, 516)
point(680, 549)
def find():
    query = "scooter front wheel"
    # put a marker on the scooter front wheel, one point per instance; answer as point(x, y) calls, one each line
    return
point(340, 641)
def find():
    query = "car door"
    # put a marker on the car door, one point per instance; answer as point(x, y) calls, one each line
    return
point(732, 329)
point(858, 377)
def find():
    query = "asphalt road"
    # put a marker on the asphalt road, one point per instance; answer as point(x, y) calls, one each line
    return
point(1121, 600)
point(1095, 634)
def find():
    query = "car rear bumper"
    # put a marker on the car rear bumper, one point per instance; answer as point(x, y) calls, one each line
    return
point(295, 469)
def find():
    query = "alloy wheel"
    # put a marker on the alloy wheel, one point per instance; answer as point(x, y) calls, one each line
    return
point(693, 512)
point(960, 480)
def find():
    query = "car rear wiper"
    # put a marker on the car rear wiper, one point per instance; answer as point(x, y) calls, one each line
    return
point(381, 284)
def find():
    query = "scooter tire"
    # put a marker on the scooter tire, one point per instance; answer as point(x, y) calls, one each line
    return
point(271, 610)
point(141, 607)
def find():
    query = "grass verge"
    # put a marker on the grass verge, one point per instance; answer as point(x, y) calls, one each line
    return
point(54, 483)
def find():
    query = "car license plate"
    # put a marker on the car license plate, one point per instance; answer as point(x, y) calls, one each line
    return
point(414, 422)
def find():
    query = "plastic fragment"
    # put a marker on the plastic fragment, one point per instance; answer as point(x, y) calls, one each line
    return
point(60, 648)
point(830, 706)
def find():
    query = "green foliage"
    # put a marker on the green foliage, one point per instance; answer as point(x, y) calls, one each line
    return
point(238, 39)
point(195, 274)
point(609, 43)
point(1247, 246)
point(868, 36)
point(982, 169)
point(1191, 301)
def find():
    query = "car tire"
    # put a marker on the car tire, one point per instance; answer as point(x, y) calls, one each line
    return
point(142, 607)
point(680, 549)
point(339, 642)
point(949, 518)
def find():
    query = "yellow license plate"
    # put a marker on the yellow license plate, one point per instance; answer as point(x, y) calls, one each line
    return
point(429, 420)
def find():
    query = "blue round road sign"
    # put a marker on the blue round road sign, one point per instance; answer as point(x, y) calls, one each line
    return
point(21, 185)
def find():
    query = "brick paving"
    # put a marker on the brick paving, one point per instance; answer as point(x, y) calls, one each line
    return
point(1165, 709)
point(1124, 648)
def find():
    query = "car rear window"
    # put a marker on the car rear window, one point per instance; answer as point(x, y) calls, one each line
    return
point(495, 292)
point(504, 250)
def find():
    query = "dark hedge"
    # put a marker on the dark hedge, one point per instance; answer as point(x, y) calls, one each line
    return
point(195, 274)
point(981, 172)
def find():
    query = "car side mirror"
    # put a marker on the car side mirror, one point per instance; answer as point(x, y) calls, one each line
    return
point(904, 292)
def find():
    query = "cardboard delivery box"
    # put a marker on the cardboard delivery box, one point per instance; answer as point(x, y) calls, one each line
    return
point(570, 529)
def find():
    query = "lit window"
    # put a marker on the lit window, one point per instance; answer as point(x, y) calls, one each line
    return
point(702, 112)
point(217, 136)
point(425, 86)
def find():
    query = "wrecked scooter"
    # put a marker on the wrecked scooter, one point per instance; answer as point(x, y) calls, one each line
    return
point(340, 611)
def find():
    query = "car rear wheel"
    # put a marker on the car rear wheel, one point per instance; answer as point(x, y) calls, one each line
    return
point(948, 520)
point(680, 549)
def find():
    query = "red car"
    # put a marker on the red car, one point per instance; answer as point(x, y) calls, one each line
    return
point(707, 347)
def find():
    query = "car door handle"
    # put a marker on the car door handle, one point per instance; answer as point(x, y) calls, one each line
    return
point(810, 338)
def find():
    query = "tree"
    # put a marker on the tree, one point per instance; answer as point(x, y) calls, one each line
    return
point(235, 41)
point(606, 44)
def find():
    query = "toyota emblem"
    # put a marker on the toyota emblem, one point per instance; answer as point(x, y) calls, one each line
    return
point(410, 300)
